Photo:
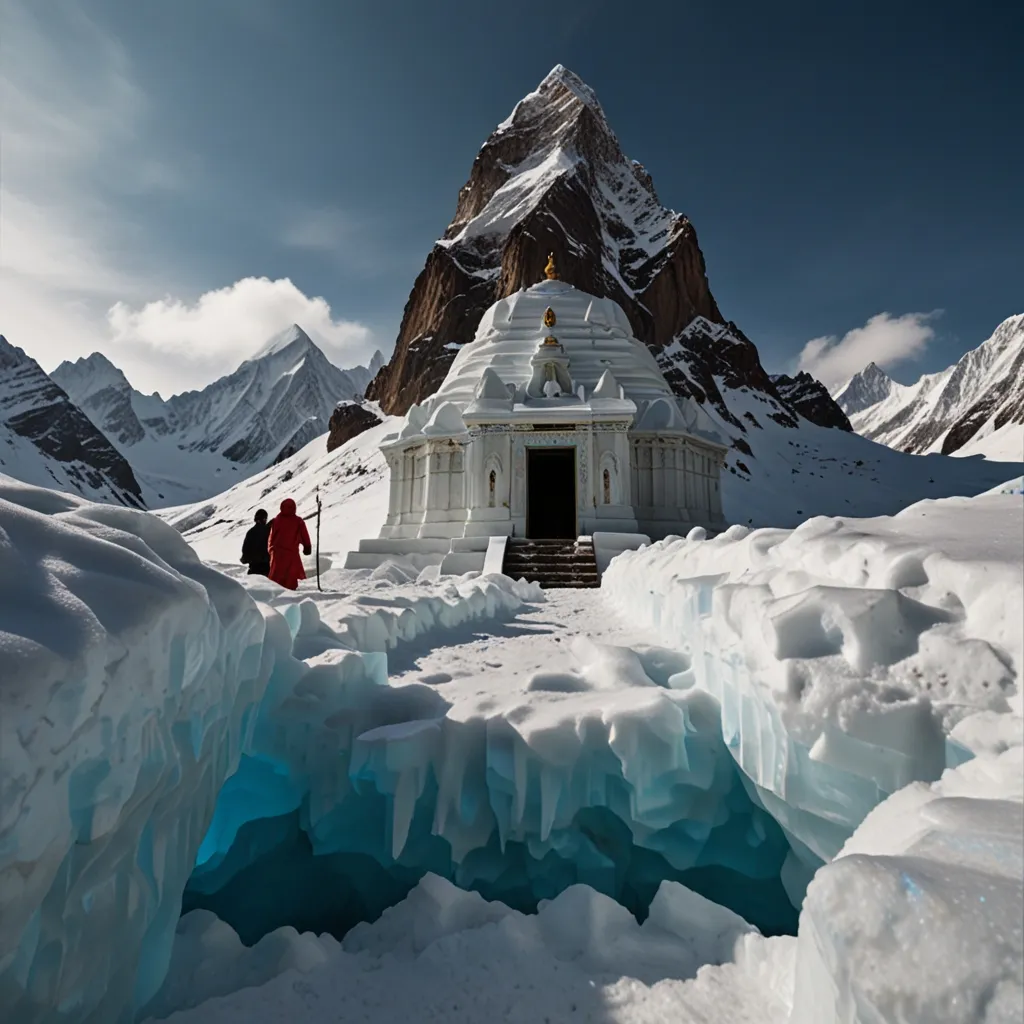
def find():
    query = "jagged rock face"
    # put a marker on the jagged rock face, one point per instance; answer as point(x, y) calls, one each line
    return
point(552, 178)
point(811, 399)
point(50, 441)
point(348, 421)
point(942, 412)
point(103, 393)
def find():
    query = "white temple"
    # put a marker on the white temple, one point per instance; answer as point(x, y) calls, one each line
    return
point(554, 422)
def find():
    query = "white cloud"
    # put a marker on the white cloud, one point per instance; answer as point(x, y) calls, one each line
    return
point(80, 135)
point(884, 340)
point(169, 344)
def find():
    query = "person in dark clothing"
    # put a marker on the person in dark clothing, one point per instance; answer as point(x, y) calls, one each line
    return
point(255, 550)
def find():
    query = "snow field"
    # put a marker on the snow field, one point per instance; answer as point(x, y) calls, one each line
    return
point(446, 954)
point(400, 735)
point(845, 654)
point(128, 674)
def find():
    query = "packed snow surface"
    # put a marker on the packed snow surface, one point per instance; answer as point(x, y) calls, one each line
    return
point(448, 955)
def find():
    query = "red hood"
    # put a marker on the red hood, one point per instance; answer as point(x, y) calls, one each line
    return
point(288, 507)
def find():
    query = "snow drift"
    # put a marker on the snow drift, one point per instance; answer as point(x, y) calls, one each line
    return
point(850, 658)
point(128, 671)
point(918, 919)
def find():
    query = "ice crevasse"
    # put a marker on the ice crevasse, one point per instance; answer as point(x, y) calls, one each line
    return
point(351, 788)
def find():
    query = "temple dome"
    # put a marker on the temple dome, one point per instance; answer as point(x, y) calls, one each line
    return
point(592, 333)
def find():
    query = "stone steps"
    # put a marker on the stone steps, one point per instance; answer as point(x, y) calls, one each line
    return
point(552, 563)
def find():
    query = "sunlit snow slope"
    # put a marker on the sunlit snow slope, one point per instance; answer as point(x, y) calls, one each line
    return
point(799, 474)
point(975, 407)
point(353, 485)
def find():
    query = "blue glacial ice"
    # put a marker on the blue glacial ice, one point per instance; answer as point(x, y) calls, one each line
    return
point(167, 743)
point(352, 789)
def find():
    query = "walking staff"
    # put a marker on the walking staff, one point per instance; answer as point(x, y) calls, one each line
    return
point(318, 587)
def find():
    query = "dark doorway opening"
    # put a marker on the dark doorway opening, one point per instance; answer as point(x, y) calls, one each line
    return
point(551, 493)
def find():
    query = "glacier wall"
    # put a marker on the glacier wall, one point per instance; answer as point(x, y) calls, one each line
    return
point(849, 658)
point(128, 677)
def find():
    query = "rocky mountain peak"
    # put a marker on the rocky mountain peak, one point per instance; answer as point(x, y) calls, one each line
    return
point(977, 400)
point(869, 387)
point(377, 360)
point(83, 377)
point(49, 438)
point(550, 178)
point(292, 339)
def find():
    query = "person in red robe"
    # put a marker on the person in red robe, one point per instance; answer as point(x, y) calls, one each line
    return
point(287, 534)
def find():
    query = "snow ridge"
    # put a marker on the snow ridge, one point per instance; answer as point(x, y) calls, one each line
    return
point(975, 406)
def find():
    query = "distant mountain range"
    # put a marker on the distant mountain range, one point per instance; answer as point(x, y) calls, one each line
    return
point(553, 178)
point(85, 429)
point(974, 407)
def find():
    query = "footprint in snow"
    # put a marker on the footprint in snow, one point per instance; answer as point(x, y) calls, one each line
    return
point(436, 678)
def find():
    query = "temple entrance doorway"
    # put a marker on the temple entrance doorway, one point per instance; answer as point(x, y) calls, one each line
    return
point(551, 493)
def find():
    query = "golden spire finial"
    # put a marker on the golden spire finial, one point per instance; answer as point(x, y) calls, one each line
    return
point(550, 271)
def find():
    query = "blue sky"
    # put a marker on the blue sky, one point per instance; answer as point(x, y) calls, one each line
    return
point(182, 179)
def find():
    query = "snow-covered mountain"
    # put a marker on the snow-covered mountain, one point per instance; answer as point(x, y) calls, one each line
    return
point(553, 178)
point(45, 439)
point(195, 444)
point(975, 407)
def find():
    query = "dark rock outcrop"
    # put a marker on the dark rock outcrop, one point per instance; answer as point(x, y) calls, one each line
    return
point(348, 421)
point(811, 399)
point(68, 446)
